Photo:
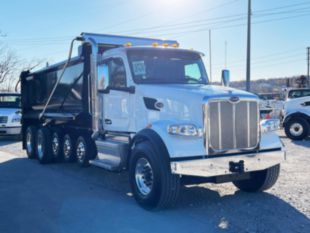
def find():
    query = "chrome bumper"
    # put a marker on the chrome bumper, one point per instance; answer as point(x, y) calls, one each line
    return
point(220, 165)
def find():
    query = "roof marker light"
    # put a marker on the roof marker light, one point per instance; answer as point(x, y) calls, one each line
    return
point(128, 44)
point(175, 45)
point(155, 44)
point(165, 45)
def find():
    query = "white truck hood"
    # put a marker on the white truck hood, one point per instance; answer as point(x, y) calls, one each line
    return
point(184, 102)
point(201, 90)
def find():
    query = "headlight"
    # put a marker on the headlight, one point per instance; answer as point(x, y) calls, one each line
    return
point(269, 125)
point(185, 130)
point(16, 118)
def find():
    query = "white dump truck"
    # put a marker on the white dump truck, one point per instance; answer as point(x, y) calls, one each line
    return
point(146, 105)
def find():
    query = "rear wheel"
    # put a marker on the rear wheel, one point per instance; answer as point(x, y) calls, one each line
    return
point(297, 128)
point(68, 148)
point(260, 180)
point(30, 138)
point(85, 150)
point(57, 151)
point(43, 145)
point(152, 184)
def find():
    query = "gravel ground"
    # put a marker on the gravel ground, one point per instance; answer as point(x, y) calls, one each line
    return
point(202, 208)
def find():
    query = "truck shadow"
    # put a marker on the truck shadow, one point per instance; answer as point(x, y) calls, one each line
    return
point(7, 140)
point(304, 143)
point(243, 212)
point(68, 198)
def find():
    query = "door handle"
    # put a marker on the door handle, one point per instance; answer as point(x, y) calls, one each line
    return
point(108, 122)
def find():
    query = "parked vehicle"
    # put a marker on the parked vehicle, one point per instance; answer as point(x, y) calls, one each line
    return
point(271, 105)
point(145, 105)
point(296, 120)
point(294, 93)
point(10, 114)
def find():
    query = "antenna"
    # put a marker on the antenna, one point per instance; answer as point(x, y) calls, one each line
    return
point(210, 55)
point(225, 54)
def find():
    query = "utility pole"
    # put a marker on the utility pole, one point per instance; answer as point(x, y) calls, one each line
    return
point(248, 60)
point(308, 71)
point(210, 55)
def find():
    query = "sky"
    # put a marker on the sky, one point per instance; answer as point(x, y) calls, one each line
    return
point(38, 29)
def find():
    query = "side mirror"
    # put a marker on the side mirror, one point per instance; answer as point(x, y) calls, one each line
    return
point(103, 77)
point(226, 77)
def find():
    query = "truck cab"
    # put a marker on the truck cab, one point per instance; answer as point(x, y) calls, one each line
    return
point(10, 114)
point(146, 106)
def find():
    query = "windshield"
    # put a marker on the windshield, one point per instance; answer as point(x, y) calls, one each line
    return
point(10, 101)
point(298, 93)
point(165, 66)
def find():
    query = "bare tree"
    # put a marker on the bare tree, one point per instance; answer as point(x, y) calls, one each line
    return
point(8, 63)
point(26, 65)
point(11, 66)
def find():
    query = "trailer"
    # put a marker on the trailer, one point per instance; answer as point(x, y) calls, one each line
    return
point(146, 106)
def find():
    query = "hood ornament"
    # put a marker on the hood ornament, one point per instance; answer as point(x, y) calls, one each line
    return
point(234, 99)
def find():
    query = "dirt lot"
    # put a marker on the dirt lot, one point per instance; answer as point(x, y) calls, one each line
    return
point(66, 198)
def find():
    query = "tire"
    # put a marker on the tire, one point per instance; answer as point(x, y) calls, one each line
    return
point(260, 180)
point(57, 140)
point(85, 150)
point(297, 128)
point(30, 140)
point(44, 146)
point(152, 184)
point(68, 148)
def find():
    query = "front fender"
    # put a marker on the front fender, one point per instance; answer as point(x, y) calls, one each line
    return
point(179, 146)
point(290, 115)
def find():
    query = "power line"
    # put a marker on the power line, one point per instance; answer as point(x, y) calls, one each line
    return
point(189, 23)
point(234, 25)
point(179, 26)
point(278, 56)
point(283, 7)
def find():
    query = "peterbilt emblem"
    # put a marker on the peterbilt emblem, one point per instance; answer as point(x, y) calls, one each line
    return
point(159, 105)
point(234, 99)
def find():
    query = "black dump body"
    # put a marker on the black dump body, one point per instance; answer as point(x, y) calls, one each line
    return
point(69, 104)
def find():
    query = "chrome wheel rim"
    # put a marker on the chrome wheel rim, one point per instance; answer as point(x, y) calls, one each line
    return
point(296, 129)
point(28, 142)
point(40, 146)
point(81, 151)
point(144, 176)
point(55, 145)
point(67, 148)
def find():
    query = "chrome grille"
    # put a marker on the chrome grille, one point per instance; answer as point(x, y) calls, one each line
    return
point(231, 125)
point(3, 119)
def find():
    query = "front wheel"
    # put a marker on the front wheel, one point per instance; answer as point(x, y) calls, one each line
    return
point(297, 128)
point(152, 184)
point(260, 180)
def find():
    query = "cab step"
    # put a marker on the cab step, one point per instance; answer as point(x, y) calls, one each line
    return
point(112, 153)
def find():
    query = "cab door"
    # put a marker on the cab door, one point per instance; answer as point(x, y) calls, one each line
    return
point(115, 96)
